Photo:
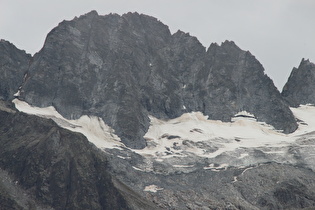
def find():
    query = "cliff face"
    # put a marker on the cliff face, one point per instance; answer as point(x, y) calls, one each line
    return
point(234, 81)
point(300, 86)
point(124, 68)
point(13, 65)
point(44, 166)
point(99, 65)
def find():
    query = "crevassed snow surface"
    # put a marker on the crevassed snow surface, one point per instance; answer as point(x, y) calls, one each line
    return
point(229, 143)
point(191, 131)
point(92, 127)
point(193, 135)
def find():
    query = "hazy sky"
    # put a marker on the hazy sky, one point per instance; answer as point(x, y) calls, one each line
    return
point(278, 32)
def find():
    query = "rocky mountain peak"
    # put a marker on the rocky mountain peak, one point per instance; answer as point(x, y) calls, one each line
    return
point(92, 13)
point(125, 68)
point(227, 48)
point(300, 86)
point(229, 44)
point(306, 62)
point(235, 81)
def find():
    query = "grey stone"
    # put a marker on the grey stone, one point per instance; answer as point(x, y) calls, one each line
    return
point(300, 86)
point(56, 169)
point(13, 67)
point(234, 81)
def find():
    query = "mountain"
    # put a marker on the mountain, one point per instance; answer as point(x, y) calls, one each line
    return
point(124, 68)
point(300, 85)
point(235, 81)
point(115, 112)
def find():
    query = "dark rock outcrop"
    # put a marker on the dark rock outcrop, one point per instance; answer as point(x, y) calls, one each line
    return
point(233, 81)
point(56, 168)
point(300, 87)
point(97, 65)
point(13, 66)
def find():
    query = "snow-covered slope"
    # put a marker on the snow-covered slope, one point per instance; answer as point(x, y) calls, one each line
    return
point(240, 143)
point(192, 130)
point(184, 141)
point(92, 127)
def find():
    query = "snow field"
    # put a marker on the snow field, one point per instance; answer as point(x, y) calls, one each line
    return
point(192, 134)
point(92, 127)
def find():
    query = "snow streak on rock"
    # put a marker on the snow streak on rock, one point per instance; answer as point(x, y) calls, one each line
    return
point(92, 127)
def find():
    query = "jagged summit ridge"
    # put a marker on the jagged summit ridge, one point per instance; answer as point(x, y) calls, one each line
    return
point(236, 80)
point(125, 68)
point(300, 86)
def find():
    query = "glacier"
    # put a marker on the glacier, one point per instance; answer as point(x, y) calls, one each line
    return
point(182, 142)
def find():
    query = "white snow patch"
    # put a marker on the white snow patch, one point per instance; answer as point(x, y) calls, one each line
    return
point(196, 128)
point(193, 134)
point(152, 188)
point(17, 94)
point(122, 157)
point(246, 170)
point(92, 127)
point(305, 113)
point(245, 114)
point(234, 179)
point(220, 167)
point(138, 169)
point(243, 155)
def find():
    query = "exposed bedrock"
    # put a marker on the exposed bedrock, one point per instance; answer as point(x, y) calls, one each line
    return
point(124, 68)
point(300, 87)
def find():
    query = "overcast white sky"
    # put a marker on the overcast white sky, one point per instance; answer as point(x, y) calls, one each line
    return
point(278, 32)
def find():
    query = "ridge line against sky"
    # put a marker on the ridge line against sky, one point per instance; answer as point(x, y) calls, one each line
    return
point(278, 33)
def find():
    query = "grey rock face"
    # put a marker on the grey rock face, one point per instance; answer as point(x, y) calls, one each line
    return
point(233, 81)
point(13, 66)
point(123, 68)
point(55, 169)
point(300, 86)
point(97, 65)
